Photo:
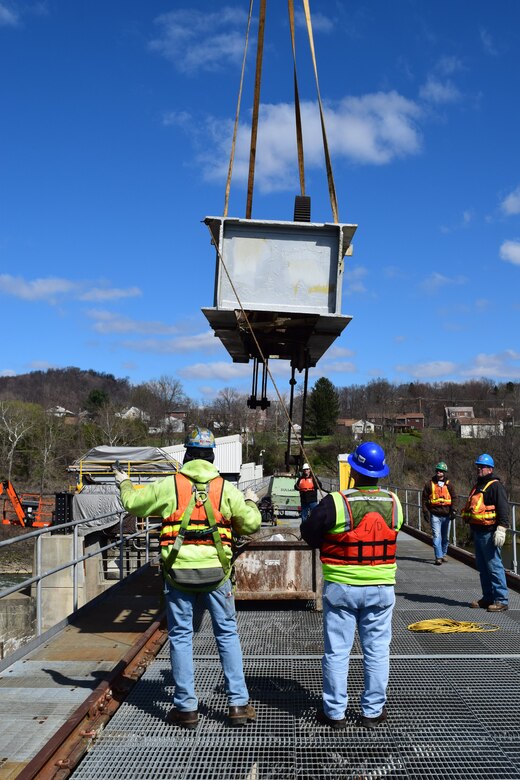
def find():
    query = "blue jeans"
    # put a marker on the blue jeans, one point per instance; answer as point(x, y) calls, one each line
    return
point(489, 564)
point(221, 606)
point(369, 607)
point(440, 534)
point(307, 509)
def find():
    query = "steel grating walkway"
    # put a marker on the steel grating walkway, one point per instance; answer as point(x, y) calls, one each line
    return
point(453, 700)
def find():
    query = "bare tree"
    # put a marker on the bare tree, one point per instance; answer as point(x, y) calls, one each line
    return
point(16, 420)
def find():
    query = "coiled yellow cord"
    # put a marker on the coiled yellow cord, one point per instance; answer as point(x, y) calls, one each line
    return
point(449, 626)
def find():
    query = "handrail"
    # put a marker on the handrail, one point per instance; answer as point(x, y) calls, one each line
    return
point(411, 499)
point(124, 541)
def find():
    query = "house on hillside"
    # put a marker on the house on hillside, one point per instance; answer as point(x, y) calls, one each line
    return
point(454, 413)
point(133, 413)
point(504, 413)
point(407, 421)
point(359, 428)
point(478, 427)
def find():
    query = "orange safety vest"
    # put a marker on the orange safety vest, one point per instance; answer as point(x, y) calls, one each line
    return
point(440, 496)
point(369, 538)
point(198, 531)
point(306, 483)
point(476, 511)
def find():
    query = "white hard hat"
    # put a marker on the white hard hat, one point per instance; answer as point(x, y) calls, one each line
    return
point(305, 466)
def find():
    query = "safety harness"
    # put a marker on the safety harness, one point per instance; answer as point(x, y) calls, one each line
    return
point(199, 497)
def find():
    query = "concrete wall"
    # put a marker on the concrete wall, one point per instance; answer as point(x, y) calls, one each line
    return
point(17, 622)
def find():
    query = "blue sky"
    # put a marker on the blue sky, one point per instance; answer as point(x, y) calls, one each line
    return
point(115, 128)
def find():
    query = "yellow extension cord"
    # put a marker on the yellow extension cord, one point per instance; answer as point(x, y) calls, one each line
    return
point(449, 626)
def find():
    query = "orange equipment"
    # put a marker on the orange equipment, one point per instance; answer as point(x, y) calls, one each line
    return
point(28, 510)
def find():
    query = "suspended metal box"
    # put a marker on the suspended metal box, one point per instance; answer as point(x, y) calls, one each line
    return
point(288, 278)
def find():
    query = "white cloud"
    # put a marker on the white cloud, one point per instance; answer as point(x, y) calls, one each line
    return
point(436, 91)
point(8, 18)
point(109, 294)
point(511, 203)
point(354, 280)
point(432, 370)
point(37, 289)
point(487, 42)
point(201, 41)
point(206, 340)
point(109, 322)
point(374, 129)
point(7, 372)
point(437, 281)
point(337, 352)
point(219, 370)
point(320, 22)
point(53, 290)
point(502, 365)
point(448, 65)
point(510, 252)
point(337, 367)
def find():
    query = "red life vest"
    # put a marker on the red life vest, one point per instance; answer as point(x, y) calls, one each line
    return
point(476, 512)
point(369, 537)
point(198, 531)
point(306, 483)
point(440, 496)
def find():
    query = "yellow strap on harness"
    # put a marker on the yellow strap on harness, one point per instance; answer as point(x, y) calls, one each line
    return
point(449, 626)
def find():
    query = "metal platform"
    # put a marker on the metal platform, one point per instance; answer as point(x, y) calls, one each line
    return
point(452, 699)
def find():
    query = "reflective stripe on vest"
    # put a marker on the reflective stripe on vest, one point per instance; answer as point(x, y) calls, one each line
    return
point(476, 511)
point(440, 496)
point(364, 534)
point(199, 530)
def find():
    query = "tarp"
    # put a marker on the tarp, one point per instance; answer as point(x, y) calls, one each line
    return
point(93, 503)
point(152, 461)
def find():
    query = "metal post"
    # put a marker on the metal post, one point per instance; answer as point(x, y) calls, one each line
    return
point(513, 525)
point(406, 506)
point(292, 382)
point(121, 542)
point(75, 569)
point(304, 403)
point(39, 585)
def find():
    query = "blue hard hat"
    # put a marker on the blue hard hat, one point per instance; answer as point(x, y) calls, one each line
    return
point(369, 459)
point(485, 460)
point(200, 437)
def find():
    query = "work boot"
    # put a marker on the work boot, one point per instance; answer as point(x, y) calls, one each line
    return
point(373, 723)
point(334, 723)
point(240, 715)
point(483, 603)
point(445, 559)
point(498, 606)
point(438, 561)
point(186, 719)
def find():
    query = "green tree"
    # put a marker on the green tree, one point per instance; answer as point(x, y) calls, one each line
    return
point(322, 408)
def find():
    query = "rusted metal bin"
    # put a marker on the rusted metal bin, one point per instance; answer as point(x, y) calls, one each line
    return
point(277, 565)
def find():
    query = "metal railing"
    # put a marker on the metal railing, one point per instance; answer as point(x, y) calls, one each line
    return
point(129, 551)
point(411, 500)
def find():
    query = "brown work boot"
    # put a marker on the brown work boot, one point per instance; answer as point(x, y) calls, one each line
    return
point(187, 719)
point(334, 723)
point(498, 606)
point(240, 715)
point(372, 723)
point(438, 561)
point(445, 559)
point(482, 603)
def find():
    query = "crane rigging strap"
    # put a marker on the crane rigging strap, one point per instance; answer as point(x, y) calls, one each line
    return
point(237, 114)
point(256, 106)
point(330, 176)
point(297, 112)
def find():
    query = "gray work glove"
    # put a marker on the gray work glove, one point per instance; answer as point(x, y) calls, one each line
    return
point(250, 495)
point(499, 536)
point(120, 476)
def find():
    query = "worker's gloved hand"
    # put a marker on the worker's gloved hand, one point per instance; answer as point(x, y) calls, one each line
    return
point(499, 536)
point(120, 476)
point(250, 495)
